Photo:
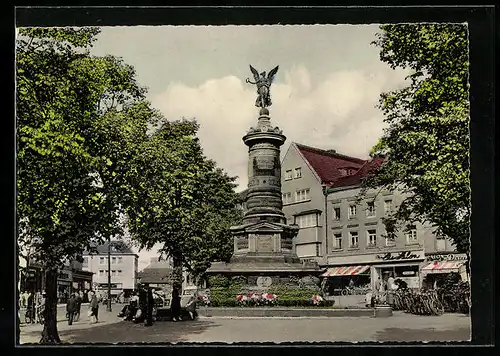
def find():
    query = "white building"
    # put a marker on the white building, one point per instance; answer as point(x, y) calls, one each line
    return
point(124, 267)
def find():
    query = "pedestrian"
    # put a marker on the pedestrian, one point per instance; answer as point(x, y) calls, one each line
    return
point(78, 299)
point(71, 308)
point(31, 307)
point(175, 305)
point(94, 308)
point(149, 308)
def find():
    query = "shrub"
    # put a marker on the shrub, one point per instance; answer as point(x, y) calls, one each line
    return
point(219, 281)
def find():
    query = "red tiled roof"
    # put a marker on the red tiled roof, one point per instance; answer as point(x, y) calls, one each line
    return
point(327, 163)
point(368, 168)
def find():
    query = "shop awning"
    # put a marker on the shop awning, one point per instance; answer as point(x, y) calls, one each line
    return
point(345, 271)
point(442, 267)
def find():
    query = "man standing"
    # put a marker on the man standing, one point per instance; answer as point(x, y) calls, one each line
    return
point(149, 308)
point(71, 308)
point(78, 300)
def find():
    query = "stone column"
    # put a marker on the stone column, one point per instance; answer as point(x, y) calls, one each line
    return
point(264, 172)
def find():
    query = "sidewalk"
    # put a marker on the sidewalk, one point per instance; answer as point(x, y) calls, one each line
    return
point(31, 333)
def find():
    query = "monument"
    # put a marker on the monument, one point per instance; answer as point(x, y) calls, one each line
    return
point(263, 248)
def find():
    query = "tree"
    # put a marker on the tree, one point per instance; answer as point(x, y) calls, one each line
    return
point(426, 143)
point(79, 119)
point(185, 202)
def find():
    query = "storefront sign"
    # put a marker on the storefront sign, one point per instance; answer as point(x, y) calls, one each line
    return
point(405, 255)
point(449, 257)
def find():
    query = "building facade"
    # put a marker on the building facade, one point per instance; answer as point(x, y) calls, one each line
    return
point(346, 235)
point(124, 268)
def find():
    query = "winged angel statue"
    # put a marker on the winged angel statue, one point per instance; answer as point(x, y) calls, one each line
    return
point(263, 86)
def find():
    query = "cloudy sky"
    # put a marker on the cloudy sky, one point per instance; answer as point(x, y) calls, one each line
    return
point(324, 94)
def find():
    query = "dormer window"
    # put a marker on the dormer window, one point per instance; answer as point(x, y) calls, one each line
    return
point(347, 171)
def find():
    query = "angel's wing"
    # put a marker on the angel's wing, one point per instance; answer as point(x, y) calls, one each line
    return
point(272, 73)
point(255, 73)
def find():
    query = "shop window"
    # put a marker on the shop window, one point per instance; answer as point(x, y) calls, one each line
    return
point(387, 206)
point(298, 173)
point(411, 234)
point(302, 195)
point(337, 241)
point(372, 238)
point(288, 175)
point(287, 198)
point(353, 239)
point(336, 213)
point(370, 209)
point(308, 220)
point(352, 211)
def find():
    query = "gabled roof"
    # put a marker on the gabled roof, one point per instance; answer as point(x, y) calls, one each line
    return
point(327, 163)
point(367, 169)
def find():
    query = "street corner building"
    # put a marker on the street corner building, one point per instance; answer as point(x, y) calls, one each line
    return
point(345, 236)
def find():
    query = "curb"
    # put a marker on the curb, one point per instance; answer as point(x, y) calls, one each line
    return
point(289, 313)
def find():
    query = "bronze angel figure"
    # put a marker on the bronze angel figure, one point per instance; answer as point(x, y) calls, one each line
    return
point(263, 86)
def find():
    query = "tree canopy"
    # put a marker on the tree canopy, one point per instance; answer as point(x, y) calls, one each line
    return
point(426, 142)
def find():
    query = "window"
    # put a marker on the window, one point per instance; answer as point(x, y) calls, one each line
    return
point(387, 206)
point(411, 234)
point(119, 259)
point(287, 198)
point(304, 221)
point(113, 272)
point(353, 239)
point(440, 244)
point(120, 271)
point(390, 241)
point(302, 195)
point(370, 209)
point(336, 213)
point(101, 260)
point(101, 272)
point(318, 250)
point(113, 260)
point(298, 173)
point(288, 175)
point(337, 241)
point(372, 237)
point(352, 211)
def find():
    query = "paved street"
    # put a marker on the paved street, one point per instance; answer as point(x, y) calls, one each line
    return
point(400, 327)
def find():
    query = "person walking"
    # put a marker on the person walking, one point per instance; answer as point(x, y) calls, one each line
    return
point(71, 308)
point(94, 307)
point(175, 305)
point(78, 299)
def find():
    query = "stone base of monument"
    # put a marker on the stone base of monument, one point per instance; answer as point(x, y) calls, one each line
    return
point(282, 312)
point(382, 311)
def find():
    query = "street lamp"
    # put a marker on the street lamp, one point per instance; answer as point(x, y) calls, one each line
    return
point(325, 193)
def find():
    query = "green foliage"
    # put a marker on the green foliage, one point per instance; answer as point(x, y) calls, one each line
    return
point(426, 143)
point(218, 281)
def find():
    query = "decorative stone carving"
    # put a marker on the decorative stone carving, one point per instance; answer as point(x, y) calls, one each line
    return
point(264, 281)
point(239, 279)
point(242, 243)
point(265, 244)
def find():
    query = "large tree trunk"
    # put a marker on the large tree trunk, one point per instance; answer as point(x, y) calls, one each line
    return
point(49, 333)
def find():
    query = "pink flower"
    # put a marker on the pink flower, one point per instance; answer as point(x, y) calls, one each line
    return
point(241, 298)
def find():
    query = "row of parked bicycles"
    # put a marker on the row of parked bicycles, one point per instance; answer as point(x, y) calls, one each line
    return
point(433, 302)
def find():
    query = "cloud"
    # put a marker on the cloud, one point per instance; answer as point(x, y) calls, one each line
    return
point(337, 112)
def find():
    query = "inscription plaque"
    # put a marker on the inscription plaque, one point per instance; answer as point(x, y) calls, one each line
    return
point(264, 244)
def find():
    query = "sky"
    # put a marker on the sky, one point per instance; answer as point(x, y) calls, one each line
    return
point(324, 95)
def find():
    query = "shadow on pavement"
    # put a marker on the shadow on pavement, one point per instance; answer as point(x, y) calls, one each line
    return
point(430, 334)
point(162, 331)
